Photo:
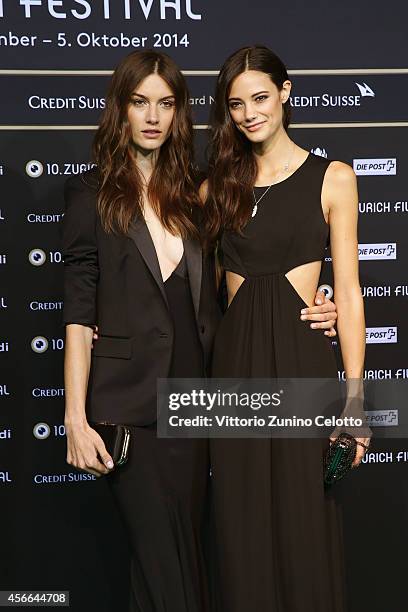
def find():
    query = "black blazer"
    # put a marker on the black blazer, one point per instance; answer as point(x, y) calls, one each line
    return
point(114, 281)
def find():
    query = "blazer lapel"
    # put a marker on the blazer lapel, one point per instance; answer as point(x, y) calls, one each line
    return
point(139, 233)
point(194, 261)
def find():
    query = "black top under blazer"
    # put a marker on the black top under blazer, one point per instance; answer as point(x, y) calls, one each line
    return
point(114, 281)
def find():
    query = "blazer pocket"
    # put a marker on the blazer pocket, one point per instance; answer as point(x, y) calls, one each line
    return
point(106, 346)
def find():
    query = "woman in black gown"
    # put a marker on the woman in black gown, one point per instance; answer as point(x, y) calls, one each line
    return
point(278, 531)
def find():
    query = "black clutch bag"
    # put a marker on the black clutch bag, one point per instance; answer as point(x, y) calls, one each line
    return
point(116, 439)
point(339, 458)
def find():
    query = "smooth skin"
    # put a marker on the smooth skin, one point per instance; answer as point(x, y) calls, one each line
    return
point(150, 115)
point(256, 108)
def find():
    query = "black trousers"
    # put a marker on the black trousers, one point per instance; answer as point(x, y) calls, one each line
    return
point(162, 494)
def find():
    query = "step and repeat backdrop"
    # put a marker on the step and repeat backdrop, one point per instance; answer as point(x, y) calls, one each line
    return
point(60, 529)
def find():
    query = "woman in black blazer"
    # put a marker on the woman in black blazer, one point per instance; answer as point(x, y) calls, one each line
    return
point(115, 282)
point(135, 270)
point(150, 290)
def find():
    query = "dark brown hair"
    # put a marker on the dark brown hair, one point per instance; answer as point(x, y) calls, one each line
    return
point(232, 165)
point(172, 190)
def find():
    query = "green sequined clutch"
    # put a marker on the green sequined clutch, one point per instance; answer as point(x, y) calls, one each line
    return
point(339, 458)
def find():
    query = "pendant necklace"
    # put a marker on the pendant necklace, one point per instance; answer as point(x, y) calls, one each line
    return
point(284, 169)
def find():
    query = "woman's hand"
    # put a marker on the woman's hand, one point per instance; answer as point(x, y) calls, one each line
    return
point(83, 446)
point(323, 315)
point(360, 452)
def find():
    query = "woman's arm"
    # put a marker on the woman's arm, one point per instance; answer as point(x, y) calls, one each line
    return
point(81, 272)
point(83, 442)
point(341, 197)
point(77, 361)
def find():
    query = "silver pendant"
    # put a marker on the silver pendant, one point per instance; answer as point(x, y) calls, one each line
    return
point(254, 210)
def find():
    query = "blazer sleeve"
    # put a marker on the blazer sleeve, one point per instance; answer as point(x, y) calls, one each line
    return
point(80, 253)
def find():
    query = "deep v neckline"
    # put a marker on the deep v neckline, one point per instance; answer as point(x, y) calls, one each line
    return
point(140, 235)
point(180, 266)
point(157, 257)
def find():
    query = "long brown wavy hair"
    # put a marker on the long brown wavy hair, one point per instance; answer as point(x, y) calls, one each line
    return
point(172, 189)
point(232, 165)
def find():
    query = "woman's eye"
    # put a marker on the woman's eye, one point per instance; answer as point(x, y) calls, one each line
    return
point(168, 104)
point(138, 102)
point(234, 105)
point(260, 98)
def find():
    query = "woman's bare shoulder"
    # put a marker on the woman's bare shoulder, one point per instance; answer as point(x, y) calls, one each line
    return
point(340, 187)
point(340, 174)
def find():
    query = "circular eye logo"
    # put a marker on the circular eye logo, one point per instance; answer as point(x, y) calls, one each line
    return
point(37, 257)
point(41, 431)
point(39, 344)
point(34, 168)
point(327, 290)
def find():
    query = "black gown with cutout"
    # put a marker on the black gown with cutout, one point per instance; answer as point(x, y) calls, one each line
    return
point(278, 531)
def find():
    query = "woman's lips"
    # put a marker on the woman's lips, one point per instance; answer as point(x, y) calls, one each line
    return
point(256, 126)
point(151, 133)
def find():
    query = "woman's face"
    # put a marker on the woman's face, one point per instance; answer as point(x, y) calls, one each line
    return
point(255, 105)
point(151, 112)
